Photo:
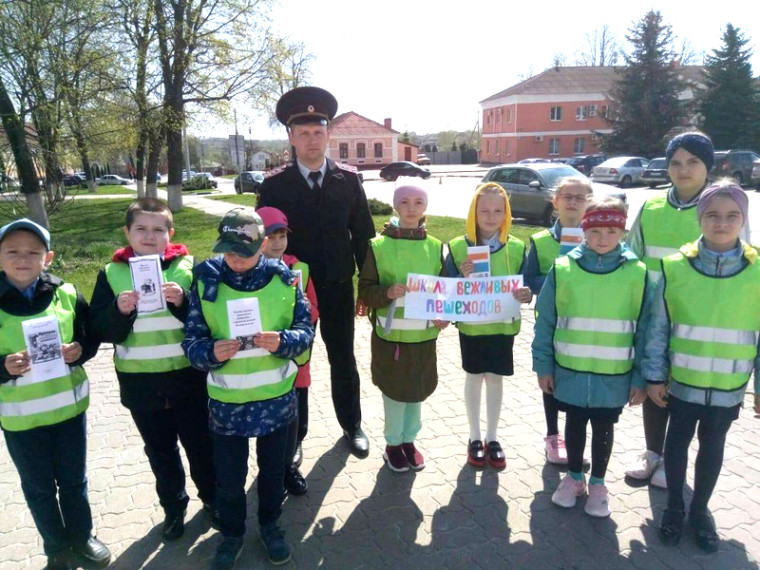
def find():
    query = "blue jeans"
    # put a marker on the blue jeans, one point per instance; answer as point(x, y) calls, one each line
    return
point(51, 463)
point(231, 465)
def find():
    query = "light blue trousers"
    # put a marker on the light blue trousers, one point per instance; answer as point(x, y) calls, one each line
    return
point(403, 421)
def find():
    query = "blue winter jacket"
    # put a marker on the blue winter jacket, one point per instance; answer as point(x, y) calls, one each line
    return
point(582, 388)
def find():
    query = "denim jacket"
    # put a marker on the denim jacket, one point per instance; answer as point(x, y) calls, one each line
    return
point(655, 365)
point(584, 389)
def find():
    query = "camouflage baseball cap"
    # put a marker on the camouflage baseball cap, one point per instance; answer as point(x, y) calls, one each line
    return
point(241, 231)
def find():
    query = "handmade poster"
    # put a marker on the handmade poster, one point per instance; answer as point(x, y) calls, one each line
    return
point(482, 299)
point(569, 239)
point(480, 255)
point(299, 278)
point(245, 320)
point(147, 280)
point(45, 349)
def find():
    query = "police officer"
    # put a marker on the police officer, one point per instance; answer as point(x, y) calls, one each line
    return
point(331, 226)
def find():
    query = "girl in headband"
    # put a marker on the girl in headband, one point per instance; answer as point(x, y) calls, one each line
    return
point(588, 320)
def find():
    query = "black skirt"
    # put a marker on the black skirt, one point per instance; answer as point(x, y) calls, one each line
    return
point(605, 414)
point(488, 353)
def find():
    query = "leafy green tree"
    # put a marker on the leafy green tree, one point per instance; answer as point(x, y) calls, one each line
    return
point(645, 97)
point(730, 104)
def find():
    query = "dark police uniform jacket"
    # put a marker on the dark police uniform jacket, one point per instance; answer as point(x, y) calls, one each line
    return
point(331, 228)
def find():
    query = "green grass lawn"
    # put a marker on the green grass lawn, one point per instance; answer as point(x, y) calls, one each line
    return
point(108, 189)
point(242, 199)
point(86, 233)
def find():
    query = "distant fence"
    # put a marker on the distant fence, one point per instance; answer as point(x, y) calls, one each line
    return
point(469, 156)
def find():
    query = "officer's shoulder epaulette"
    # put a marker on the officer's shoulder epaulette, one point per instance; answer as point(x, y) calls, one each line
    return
point(347, 167)
point(275, 171)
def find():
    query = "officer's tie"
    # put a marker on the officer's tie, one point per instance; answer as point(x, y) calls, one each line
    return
point(314, 176)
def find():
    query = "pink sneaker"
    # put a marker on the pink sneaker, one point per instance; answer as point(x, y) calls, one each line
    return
point(555, 450)
point(568, 492)
point(395, 458)
point(413, 456)
point(597, 504)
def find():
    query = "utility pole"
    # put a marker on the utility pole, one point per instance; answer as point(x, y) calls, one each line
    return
point(187, 152)
point(237, 149)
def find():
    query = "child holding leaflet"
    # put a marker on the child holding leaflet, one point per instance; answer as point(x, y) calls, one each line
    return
point(164, 394)
point(589, 317)
point(704, 337)
point(43, 415)
point(404, 364)
point(487, 346)
point(247, 323)
point(570, 204)
point(276, 226)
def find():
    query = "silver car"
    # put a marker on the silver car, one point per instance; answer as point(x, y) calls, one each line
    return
point(531, 187)
point(621, 170)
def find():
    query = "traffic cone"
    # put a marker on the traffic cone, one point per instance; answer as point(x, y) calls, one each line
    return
point(440, 180)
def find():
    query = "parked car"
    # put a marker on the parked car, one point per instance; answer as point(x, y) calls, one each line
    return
point(531, 187)
point(111, 179)
point(585, 164)
point(533, 160)
point(423, 159)
point(186, 177)
point(251, 181)
point(395, 169)
point(738, 164)
point(72, 180)
point(656, 173)
point(621, 170)
point(209, 178)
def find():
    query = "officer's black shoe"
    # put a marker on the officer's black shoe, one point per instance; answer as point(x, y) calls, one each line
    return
point(94, 551)
point(174, 525)
point(704, 532)
point(357, 442)
point(671, 527)
point(295, 484)
point(298, 455)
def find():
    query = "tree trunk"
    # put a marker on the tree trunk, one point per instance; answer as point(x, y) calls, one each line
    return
point(156, 140)
point(27, 173)
point(174, 158)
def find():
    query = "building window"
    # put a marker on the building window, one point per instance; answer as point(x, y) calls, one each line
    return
point(361, 150)
point(592, 110)
point(378, 150)
point(581, 113)
point(498, 115)
point(343, 150)
point(553, 146)
point(488, 117)
point(556, 114)
point(580, 145)
point(509, 115)
point(605, 111)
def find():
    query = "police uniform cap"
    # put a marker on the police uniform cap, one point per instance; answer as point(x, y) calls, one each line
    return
point(306, 105)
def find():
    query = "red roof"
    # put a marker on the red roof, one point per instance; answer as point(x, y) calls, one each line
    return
point(579, 79)
point(350, 123)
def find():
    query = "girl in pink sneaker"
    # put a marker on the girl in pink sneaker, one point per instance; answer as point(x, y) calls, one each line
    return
point(589, 317)
point(404, 364)
point(570, 204)
point(487, 347)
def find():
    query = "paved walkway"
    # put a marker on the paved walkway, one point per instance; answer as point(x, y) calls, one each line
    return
point(357, 514)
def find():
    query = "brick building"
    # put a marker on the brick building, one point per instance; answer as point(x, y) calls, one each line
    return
point(558, 113)
point(364, 143)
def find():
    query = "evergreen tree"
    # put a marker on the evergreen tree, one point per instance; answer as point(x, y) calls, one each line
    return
point(645, 97)
point(729, 103)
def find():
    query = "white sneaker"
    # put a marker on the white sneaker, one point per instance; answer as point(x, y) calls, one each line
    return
point(658, 478)
point(568, 492)
point(597, 504)
point(644, 466)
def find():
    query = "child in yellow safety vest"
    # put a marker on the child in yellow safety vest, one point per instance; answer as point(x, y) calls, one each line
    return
point(44, 393)
point(707, 351)
point(276, 227)
point(246, 325)
point(164, 394)
point(589, 316)
point(486, 347)
point(570, 204)
point(404, 364)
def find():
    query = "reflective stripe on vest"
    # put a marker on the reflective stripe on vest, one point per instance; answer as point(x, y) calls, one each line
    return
point(304, 357)
point(664, 229)
point(26, 404)
point(547, 250)
point(256, 374)
point(597, 315)
point(395, 259)
point(504, 261)
point(154, 344)
point(711, 347)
